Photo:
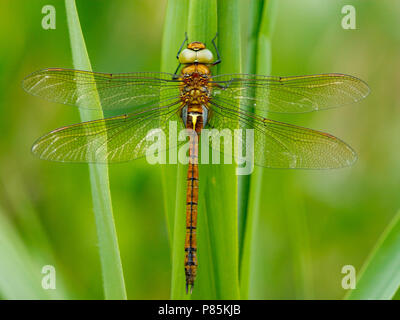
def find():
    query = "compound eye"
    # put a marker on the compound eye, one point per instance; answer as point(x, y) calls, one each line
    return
point(205, 56)
point(187, 56)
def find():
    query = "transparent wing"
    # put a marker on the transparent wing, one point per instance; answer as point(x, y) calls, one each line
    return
point(114, 91)
point(288, 94)
point(116, 139)
point(281, 145)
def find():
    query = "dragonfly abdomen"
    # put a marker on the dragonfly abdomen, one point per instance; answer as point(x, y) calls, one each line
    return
point(192, 197)
point(191, 225)
point(194, 123)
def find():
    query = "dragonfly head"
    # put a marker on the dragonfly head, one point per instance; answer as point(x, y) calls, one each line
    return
point(196, 46)
point(196, 52)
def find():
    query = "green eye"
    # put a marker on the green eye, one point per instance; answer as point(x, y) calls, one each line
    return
point(205, 56)
point(187, 56)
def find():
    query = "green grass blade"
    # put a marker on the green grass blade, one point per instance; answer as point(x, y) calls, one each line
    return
point(250, 66)
point(217, 222)
point(380, 277)
point(223, 187)
point(173, 176)
point(202, 26)
point(174, 34)
point(259, 62)
point(256, 9)
point(113, 280)
point(201, 23)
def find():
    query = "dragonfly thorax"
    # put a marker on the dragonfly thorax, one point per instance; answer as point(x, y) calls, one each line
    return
point(196, 86)
point(195, 94)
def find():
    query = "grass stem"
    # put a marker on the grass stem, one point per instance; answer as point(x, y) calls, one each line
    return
point(113, 279)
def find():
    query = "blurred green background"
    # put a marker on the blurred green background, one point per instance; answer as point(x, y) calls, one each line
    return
point(312, 223)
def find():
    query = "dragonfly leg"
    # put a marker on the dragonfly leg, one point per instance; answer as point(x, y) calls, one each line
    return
point(216, 50)
point(175, 76)
point(181, 47)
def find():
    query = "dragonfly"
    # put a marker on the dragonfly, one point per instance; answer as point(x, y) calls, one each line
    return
point(196, 99)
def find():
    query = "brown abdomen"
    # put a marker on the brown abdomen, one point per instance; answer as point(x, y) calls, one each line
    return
point(192, 197)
